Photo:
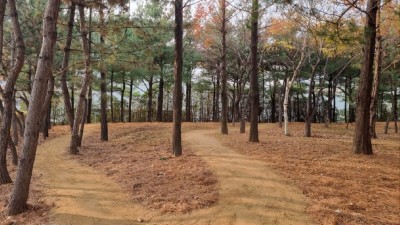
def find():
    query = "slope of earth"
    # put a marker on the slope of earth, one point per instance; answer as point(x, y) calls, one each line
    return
point(344, 188)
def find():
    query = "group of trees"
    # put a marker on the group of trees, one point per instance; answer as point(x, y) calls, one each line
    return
point(261, 61)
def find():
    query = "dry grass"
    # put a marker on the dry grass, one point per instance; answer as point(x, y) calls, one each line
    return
point(137, 156)
point(344, 188)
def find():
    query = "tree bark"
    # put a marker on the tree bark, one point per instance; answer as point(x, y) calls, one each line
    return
point(362, 138)
point(89, 100)
point(254, 89)
point(160, 97)
point(224, 75)
point(188, 105)
point(8, 91)
point(377, 74)
point(111, 96)
point(103, 85)
point(178, 66)
point(17, 203)
point(130, 99)
point(47, 104)
point(64, 68)
point(150, 100)
point(289, 83)
point(75, 139)
point(122, 113)
point(3, 4)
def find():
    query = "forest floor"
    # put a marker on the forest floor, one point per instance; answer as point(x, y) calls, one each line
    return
point(219, 180)
point(344, 188)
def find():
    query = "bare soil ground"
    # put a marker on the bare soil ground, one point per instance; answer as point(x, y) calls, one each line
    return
point(344, 188)
point(38, 205)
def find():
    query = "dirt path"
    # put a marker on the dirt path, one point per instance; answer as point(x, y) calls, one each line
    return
point(250, 193)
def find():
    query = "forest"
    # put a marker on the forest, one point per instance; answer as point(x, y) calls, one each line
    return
point(199, 112)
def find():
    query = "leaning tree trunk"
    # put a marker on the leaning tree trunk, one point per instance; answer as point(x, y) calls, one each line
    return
point(17, 203)
point(254, 92)
point(8, 91)
point(75, 139)
point(64, 67)
point(177, 113)
point(224, 75)
point(362, 138)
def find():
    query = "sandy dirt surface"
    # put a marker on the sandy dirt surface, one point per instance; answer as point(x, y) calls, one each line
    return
point(250, 192)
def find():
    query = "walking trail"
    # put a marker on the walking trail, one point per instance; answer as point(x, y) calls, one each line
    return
point(250, 192)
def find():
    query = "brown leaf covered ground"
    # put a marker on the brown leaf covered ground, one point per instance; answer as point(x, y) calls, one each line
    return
point(344, 188)
point(137, 156)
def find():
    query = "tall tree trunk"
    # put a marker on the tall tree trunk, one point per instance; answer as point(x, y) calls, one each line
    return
point(47, 105)
point(19, 197)
point(394, 104)
point(83, 121)
point(130, 99)
point(309, 115)
point(89, 105)
point(112, 96)
point(122, 116)
point(280, 101)
point(103, 85)
point(8, 91)
point(189, 100)
point(150, 100)
point(160, 98)
point(177, 114)
point(362, 139)
point(377, 74)
point(217, 94)
point(289, 83)
point(75, 139)
point(273, 101)
point(64, 67)
point(3, 4)
point(254, 92)
point(103, 115)
point(13, 150)
point(14, 121)
point(89, 100)
point(224, 75)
